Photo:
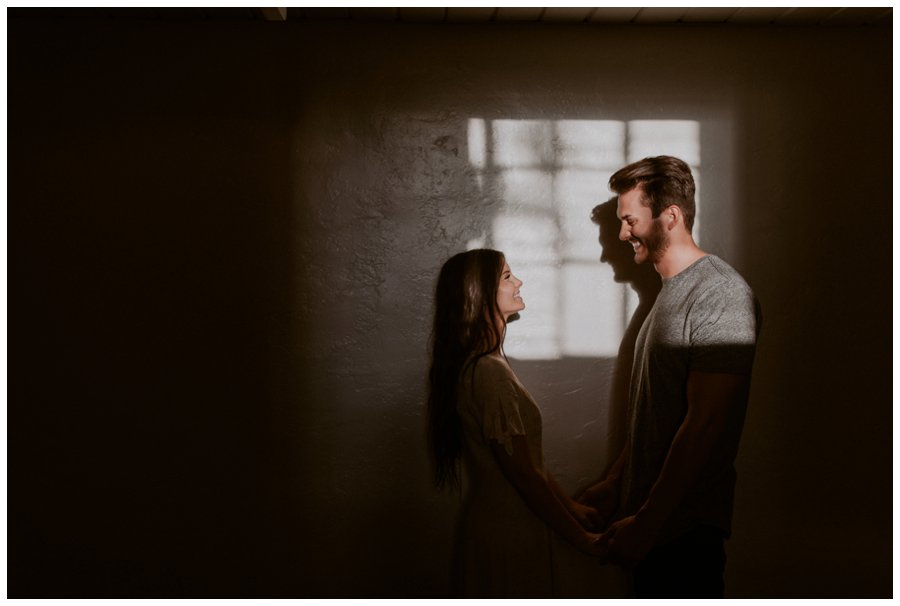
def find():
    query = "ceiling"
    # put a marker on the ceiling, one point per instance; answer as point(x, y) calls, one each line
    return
point(823, 16)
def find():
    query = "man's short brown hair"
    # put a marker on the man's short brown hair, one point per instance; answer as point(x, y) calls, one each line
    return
point(664, 181)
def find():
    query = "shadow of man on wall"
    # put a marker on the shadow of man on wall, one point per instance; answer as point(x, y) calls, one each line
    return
point(645, 282)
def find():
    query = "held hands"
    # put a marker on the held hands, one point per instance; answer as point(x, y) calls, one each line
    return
point(629, 540)
point(596, 545)
point(603, 500)
point(589, 518)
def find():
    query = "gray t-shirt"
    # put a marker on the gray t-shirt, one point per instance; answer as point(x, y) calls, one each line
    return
point(705, 319)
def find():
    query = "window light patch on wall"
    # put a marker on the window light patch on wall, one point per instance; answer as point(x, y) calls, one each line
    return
point(547, 176)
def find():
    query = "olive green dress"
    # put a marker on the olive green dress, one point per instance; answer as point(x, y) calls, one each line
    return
point(503, 549)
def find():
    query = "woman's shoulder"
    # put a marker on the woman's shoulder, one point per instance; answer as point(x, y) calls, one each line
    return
point(492, 366)
point(492, 374)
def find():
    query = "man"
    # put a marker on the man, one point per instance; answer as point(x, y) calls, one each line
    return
point(672, 487)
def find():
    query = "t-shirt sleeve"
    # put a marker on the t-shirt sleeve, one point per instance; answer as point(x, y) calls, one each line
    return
point(502, 415)
point(724, 329)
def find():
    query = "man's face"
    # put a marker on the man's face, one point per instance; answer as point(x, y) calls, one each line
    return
point(646, 235)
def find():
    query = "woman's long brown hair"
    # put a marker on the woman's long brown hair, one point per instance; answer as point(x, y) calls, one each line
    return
point(465, 329)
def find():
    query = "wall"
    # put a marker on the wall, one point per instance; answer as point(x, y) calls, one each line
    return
point(222, 243)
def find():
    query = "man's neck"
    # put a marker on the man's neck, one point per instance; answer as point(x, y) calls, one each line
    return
point(678, 257)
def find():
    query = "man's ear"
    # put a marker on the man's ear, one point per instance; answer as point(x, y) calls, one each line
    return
point(672, 216)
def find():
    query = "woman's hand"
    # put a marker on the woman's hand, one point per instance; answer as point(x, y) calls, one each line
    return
point(596, 545)
point(589, 518)
point(603, 498)
point(629, 540)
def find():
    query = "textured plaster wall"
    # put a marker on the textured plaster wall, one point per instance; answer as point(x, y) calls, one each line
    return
point(223, 239)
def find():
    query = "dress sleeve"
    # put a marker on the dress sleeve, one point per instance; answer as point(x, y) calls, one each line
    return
point(502, 415)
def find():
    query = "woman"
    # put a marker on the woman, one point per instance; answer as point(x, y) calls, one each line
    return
point(481, 415)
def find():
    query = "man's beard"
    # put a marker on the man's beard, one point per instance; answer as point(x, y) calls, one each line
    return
point(657, 242)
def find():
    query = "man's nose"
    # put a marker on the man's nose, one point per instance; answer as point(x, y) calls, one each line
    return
point(625, 232)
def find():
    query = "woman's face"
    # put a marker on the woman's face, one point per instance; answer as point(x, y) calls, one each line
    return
point(509, 300)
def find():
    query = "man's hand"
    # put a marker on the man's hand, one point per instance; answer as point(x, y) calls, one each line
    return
point(587, 516)
point(629, 540)
point(599, 548)
point(604, 499)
